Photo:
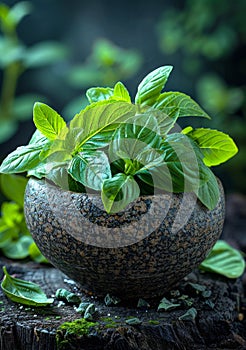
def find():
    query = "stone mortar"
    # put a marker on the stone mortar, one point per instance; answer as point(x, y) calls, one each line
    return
point(141, 252)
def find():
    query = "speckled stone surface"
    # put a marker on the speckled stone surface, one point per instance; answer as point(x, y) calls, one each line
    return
point(141, 252)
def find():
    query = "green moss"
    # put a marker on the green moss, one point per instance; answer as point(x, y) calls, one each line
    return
point(154, 322)
point(108, 322)
point(78, 327)
point(68, 331)
point(106, 319)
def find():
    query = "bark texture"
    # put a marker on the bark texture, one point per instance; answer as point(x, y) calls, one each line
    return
point(218, 324)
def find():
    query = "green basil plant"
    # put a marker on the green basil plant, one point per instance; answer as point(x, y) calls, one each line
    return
point(123, 149)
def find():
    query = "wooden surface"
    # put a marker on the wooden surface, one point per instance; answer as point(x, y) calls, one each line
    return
point(220, 327)
point(219, 324)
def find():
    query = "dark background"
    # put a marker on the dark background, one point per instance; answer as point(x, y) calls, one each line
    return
point(203, 40)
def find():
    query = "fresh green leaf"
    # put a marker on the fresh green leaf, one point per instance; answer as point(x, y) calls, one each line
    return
point(48, 121)
point(183, 159)
point(18, 249)
point(142, 303)
point(39, 171)
point(111, 300)
point(151, 86)
point(166, 305)
point(43, 54)
point(23, 292)
point(165, 123)
point(197, 287)
point(121, 92)
point(7, 234)
point(100, 140)
point(19, 11)
point(56, 151)
point(82, 307)
point(24, 158)
point(118, 192)
point(8, 129)
point(131, 138)
point(13, 187)
point(216, 146)
point(12, 213)
point(98, 117)
point(208, 192)
point(133, 321)
point(189, 315)
point(4, 11)
point(38, 137)
point(36, 255)
point(99, 94)
point(90, 168)
point(57, 173)
point(176, 168)
point(64, 294)
point(224, 260)
point(13, 52)
point(177, 104)
point(90, 312)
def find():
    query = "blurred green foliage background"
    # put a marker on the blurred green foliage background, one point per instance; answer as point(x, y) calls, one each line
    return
point(53, 50)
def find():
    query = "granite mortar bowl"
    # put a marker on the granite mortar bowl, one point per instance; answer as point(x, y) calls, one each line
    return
point(143, 251)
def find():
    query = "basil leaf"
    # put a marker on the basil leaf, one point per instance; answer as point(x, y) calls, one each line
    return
point(90, 312)
point(189, 315)
point(18, 249)
point(66, 295)
point(142, 303)
point(48, 121)
point(224, 260)
point(96, 118)
point(111, 300)
point(6, 234)
point(12, 214)
point(18, 11)
point(208, 192)
point(56, 151)
point(151, 86)
point(165, 123)
point(24, 158)
point(101, 139)
point(133, 321)
point(177, 168)
point(177, 104)
point(38, 137)
point(90, 168)
point(130, 139)
point(118, 192)
point(166, 305)
point(57, 173)
point(99, 94)
point(154, 171)
point(184, 161)
point(36, 255)
point(23, 292)
point(216, 146)
point(13, 187)
point(39, 171)
point(82, 307)
point(121, 92)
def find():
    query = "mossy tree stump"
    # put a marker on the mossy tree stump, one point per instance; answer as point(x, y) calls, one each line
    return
point(218, 322)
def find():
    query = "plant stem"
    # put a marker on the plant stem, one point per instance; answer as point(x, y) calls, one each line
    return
point(10, 78)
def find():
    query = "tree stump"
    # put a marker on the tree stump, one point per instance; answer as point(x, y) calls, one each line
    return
point(211, 315)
